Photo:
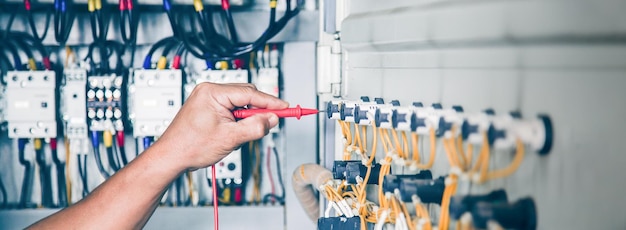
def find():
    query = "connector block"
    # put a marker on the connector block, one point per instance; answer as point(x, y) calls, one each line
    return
point(155, 96)
point(104, 103)
point(31, 104)
point(74, 103)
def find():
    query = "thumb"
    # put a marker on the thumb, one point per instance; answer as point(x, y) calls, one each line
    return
point(255, 127)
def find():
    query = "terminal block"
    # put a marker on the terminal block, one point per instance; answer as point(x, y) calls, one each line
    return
point(74, 103)
point(217, 76)
point(474, 126)
point(520, 215)
point(426, 118)
point(31, 104)
point(402, 117)
point(449, 118)
point(155, 96)
point(536, 132)
point(428, 190)
point(104, 103)
point(351, 170)
point(383, 116)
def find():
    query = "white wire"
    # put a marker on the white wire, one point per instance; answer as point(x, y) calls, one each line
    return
point(381, 220)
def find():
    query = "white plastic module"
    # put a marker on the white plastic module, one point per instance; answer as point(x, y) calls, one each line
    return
point(104, 103)
point(223, 76)
point(155, 96)
point(217, 76)
point(267, 81)
point(74, 103)
point(229, 168)
point(30, 109)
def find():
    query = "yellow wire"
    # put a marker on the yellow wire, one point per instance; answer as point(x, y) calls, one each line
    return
point(32, 65)
point(190, 182)
point(197, 5)
point(517, 161)
point(405, 146)
point(407, 216)
point(357, 137)
point(433, 151)
point(68, 181)
point(162, 63)
point(415, 149)
point(225, 196)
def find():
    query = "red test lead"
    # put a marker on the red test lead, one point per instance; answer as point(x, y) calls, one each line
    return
point(296, 112)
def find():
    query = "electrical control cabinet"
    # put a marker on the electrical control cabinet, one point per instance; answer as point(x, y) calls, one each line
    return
point(104, 103)
point(74, 102)
point(31, 104)
point(155, 96)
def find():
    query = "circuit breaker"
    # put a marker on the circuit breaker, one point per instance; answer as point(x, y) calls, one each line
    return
point(104, 103)
point(155, 96)
point(31, 104)
point(74, 103)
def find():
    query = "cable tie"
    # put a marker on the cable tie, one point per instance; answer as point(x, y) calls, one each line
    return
point(456, 170)
point(449, 181)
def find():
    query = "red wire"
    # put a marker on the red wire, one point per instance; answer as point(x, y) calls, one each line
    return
point(215, 200)
point(269, 171)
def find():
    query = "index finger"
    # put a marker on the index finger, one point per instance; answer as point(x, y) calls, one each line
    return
point(239, 96)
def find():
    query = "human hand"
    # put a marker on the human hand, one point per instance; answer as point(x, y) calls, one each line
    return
point(204, 131)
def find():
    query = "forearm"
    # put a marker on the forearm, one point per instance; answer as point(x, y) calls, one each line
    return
point(124, 201)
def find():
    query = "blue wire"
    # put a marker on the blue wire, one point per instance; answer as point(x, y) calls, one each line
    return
point(147, 62)
point(147, 141)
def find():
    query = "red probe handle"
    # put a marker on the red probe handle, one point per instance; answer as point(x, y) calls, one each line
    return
point(296, 112)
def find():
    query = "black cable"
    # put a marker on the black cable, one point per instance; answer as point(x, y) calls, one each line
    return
point(63, 22)
point(61, 183)
point(112, 159)
point(226, 53)
point(29, 171)
point(121, 152)
point(3, 190)
point(44, 178)
point(96, 150)
point(82, 170)
point(7, 29)
point(127, 18)
point(231, 26)
point(33, 27)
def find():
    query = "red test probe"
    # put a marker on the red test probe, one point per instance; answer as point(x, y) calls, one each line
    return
point(296, 112)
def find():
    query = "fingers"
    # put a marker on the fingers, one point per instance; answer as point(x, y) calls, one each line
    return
point(240, 95)
point(254, 127)
point(252, 97)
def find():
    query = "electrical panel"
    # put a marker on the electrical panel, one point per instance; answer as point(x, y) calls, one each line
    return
point(74, 102)
point(31, 104)
point(104, 103)
point(155, 96)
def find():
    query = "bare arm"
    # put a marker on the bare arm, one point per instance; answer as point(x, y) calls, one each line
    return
point(203, 132)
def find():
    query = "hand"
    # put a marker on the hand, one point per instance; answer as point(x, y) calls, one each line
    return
point(204, 131)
